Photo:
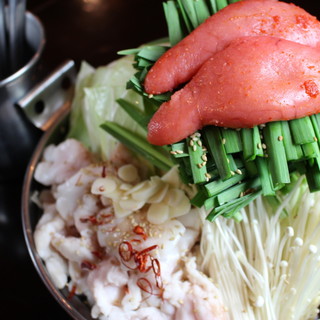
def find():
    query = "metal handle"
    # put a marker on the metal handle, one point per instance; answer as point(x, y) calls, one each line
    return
point(51, 98)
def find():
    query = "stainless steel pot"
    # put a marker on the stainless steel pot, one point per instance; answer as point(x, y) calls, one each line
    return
point(14, 127)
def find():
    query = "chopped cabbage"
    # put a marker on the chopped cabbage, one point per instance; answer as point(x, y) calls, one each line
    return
point(95, 98)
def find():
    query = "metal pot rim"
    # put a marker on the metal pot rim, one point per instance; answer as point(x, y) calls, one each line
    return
point(31, 18)
point(74, 307)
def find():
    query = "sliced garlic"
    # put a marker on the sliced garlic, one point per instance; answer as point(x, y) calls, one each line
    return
point(130, 204)
point(159, 196)
point(158, 213)
point(182, 208)
point(120, 212)
point(174, 197)
point(128, 173)
point(104, 186)
point(149, 188)
point(172, 177)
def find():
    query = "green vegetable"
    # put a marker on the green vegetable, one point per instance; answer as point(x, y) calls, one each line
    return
point(135, 113)
point(95, 102)
point(215, 187)
point(138, 144)
point(233, 143)
point(276, 153)
point(174, 27)
point(252, 145)
point(215, 145)
point(198, 159)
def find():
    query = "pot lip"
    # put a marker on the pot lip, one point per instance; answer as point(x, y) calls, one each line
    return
point(36, 56)
point(73, 305)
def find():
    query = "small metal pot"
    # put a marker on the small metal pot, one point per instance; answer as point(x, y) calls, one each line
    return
point(17, 135)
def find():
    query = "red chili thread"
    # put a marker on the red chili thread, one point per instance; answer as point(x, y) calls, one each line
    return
point(156, 267)
point(159, 282)
point(125, 251)
point(106, 218)
point(126, 289)
point(91, 219)
point(85, 264)
point(148, 249)
point(145, 285)
point(72, 292)
point(140, 231)
point(142, 262)
point(103, 173)
point(136, 240)
point(97, 254)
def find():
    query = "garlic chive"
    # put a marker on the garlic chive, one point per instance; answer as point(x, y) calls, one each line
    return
point(217, 151)
point(138, 144)
point(302, 130)
point(233, 141)
point(198, 167)
point(293, 151)
point(277, 157)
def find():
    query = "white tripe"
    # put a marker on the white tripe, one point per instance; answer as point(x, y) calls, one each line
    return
point(267, 266)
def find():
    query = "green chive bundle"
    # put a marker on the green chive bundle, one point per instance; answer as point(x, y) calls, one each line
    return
point(229, 167)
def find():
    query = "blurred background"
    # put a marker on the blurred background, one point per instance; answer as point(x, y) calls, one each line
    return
point(90, 30)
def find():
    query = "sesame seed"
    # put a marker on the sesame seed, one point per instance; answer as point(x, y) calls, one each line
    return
point(224, 141)
point(315, 139)
point(199, 165)
point(283, 264)
point(238, 171)
point(179, 151)
point(204, 158)
point(203, 164)
point(232, 173)
point(293, 290)
point(207, 175)
point(280, 138)
point(191, 143)
point(298, 242)
point(150, 96)
point(264, 146)
point(194, 148)
point(259, 146)
point(199, 143)
point(290, 232)
point(313, 248)
point(173, 152)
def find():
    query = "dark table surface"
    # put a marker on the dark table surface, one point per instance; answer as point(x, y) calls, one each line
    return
point(90, 30)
